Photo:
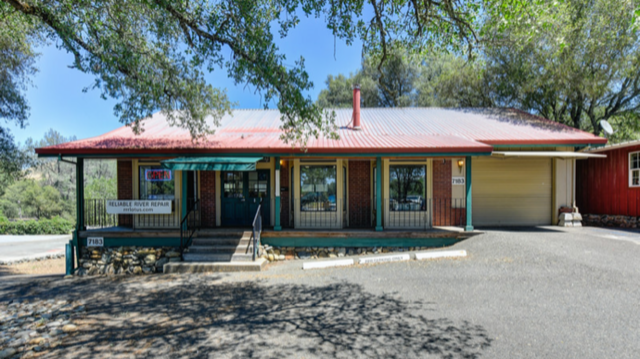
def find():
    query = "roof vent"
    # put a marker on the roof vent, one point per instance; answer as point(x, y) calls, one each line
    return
point(356, 108)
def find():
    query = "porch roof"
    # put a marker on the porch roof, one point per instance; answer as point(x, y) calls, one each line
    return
point(212, 163)
point(384, 131)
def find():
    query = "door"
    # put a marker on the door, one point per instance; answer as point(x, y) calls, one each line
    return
point(258, 187)
point(242, 194)
point(512, 191)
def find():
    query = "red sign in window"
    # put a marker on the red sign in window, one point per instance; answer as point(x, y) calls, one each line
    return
point(157, 175)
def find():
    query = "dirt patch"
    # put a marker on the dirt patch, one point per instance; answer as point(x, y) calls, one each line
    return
point(45, 266)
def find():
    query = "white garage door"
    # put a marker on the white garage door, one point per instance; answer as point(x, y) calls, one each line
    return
point(511, 191)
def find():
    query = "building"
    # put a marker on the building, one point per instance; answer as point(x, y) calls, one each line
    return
point(608, 189)
point(393, 169)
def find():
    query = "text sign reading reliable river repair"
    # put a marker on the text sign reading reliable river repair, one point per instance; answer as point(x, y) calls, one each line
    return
point(138, 207)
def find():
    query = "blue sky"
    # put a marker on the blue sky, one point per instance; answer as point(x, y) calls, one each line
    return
point(57, 100)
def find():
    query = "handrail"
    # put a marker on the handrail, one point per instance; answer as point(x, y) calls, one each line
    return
point(185, 227)
point(256, 233)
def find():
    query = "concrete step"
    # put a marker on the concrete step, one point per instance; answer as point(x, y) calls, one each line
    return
point(207, 257)
point(217, 257)
point(223, 233)
point(208, 241)
point(217, 249)
point(205, 267)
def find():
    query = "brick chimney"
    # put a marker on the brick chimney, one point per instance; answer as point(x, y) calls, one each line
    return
point(356, 107)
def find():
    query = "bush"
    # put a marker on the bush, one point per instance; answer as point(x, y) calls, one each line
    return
point(55, 225)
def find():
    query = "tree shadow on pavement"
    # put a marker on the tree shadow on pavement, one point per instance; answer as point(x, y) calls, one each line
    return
point(203, 318)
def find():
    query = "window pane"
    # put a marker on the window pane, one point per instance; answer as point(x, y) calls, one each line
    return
point(635, 178)
point(318, 188)
point(258, 185)
point(233, 185)
point(634, 161)
point(156, 183)
point(407, 188)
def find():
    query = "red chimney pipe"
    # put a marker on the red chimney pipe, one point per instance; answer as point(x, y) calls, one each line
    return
point(356, 107)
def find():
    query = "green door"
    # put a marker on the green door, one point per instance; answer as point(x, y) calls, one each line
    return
point(242, 193)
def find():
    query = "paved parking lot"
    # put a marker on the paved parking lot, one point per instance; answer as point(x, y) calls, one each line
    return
point(522, 293)
point(14, 248)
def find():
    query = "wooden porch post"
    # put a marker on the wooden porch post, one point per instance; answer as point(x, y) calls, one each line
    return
point(79, 207)
point(469, 205)
point(379, 210)
point(277, 226)
point(80, 194)
point(184, 196)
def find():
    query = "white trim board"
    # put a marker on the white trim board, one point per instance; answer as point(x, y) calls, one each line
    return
point(385, 259)
point(441, 254)
point(328, 264)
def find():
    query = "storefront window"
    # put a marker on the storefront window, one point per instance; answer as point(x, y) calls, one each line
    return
point(407, 188)
point(317, 188)
point(156, 183)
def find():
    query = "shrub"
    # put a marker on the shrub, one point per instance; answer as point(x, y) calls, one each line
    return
point(55, 225)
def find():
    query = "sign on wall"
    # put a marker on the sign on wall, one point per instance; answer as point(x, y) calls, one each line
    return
point(138, 207)
point(457, 180)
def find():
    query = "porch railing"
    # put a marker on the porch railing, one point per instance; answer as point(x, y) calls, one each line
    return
point(256, 232)
point(96, 216)
point(424, 213)
point(190, 223)
point(319, 213)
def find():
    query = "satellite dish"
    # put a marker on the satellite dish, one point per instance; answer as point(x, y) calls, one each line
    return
point(606, 127)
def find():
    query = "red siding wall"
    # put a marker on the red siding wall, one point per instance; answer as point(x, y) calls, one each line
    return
point(125, 189)
point(602, 185)
point(208, 198)
point(359, 200)
point(443, 212)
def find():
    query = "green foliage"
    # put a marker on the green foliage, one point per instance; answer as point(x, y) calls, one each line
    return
point(33, 200)
point(154, 55)
point(101, 188)
point(54, 225)
point(438, 79)
point(574, 62)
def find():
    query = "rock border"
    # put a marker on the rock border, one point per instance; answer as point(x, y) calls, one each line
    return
point(276, 254)
point(125, 260)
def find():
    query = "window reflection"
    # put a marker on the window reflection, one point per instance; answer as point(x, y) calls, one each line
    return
point(318, 188)
point(407, 188)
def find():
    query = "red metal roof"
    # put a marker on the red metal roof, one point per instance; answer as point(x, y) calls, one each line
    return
point(393, 130)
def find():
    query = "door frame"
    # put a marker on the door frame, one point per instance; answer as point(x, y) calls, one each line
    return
point(266, 209)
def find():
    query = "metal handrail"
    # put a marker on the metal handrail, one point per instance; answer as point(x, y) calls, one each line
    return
point(256, 232)
point(185, 227)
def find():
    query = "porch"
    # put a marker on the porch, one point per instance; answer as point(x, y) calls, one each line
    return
point(346, 237)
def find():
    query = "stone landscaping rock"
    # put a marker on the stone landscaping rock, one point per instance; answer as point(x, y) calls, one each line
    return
point(125, 260)
point(172, 254)
point(69, 328)
point(7, 353)
point(150, 259)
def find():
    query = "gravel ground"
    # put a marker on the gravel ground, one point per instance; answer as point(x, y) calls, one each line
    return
point(524, 293)
point(44, 266)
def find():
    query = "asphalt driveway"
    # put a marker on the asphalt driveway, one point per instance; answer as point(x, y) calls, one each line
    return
point(521, 293)
point(13, 248)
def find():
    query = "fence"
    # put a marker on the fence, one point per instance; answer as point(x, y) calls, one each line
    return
point(423, 213)
point(96, 216)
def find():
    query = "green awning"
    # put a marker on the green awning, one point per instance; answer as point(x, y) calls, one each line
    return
point(212, 163)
